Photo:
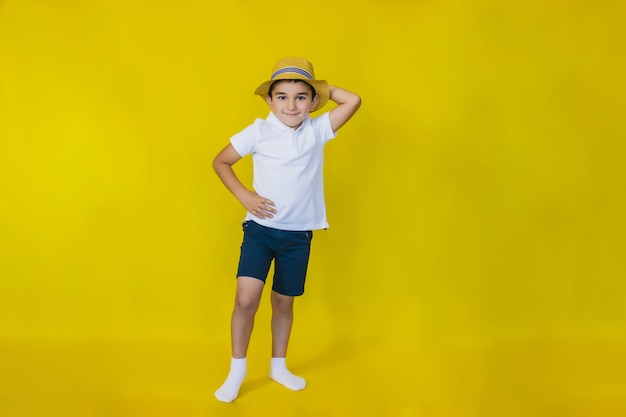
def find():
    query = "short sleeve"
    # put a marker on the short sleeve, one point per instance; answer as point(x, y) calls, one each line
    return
point(244, 141)
point(322, 127)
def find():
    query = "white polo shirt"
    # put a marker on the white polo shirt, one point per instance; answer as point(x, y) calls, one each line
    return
point(288, 169)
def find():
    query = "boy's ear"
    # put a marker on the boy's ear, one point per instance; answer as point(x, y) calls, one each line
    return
point(316, 100)
point(268, 99)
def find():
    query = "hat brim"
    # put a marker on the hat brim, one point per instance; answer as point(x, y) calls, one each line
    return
point(320, 86)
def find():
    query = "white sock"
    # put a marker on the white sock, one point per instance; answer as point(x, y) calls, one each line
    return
point(280, 374)
point(230, 389)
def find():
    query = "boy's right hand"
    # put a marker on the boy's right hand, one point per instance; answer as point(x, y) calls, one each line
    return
point(259, 206)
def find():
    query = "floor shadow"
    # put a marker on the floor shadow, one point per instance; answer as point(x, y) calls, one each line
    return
point(340, 351)
point(254, 384)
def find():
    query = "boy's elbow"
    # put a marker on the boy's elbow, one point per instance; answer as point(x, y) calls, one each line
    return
point(355, 99)
point(221, 162)
point(356, 102)
point(216, 163)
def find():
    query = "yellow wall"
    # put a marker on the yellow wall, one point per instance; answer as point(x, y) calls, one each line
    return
point(476, 258)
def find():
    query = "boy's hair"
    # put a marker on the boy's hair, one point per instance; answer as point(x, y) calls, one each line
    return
point(269, 93)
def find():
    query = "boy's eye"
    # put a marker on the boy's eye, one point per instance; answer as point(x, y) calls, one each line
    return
point(283, 98)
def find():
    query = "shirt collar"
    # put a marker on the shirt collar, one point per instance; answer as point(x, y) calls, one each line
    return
point(275, 121)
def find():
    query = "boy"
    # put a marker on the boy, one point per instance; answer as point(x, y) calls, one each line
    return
point(284, 208)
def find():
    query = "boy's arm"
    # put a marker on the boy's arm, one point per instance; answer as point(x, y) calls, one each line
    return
point(347, 104)
point(255, 204)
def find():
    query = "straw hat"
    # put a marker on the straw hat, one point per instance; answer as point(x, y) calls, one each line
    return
point(294, 68)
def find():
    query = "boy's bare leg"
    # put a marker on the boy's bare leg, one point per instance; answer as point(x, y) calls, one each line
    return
point(247, 299)
point(282, 320)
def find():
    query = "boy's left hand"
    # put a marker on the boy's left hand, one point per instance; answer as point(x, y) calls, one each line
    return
point(259, 206)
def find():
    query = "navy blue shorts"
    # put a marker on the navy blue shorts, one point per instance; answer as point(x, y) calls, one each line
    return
point(289, 250)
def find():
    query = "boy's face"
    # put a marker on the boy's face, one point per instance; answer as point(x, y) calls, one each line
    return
point(291, 102)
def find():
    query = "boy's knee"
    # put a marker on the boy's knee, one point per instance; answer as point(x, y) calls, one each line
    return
point(282, 303)
point(246, 303)
point(248, 295)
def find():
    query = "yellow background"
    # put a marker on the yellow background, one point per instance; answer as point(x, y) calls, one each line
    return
point(475, 262)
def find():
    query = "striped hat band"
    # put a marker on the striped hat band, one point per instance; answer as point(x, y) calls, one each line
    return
point(295, 70)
